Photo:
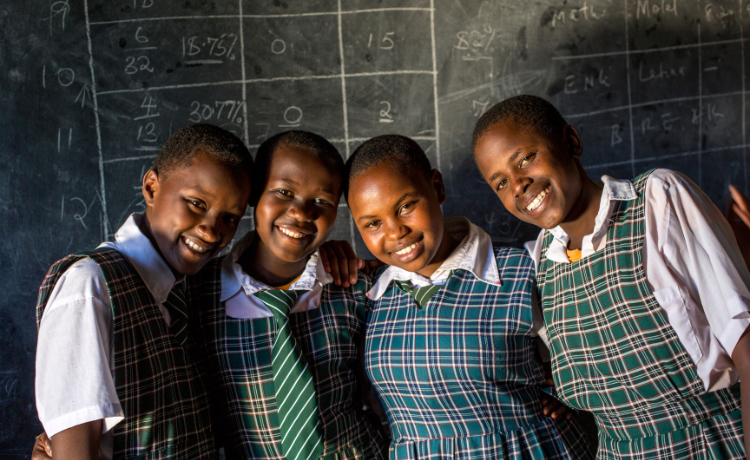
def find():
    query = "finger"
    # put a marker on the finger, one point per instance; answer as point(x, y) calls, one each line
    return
point(740, 199)
point(335, 272)
point(324, 259)
point(560, 412)
point(353, 262)
point(745, 217)
point(47, 443)
point(360, 264)
point(343, 263)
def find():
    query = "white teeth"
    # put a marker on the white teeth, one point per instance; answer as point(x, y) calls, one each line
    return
point(406, 250)
point(292, 234)
point(194, 246)
point(538, 200)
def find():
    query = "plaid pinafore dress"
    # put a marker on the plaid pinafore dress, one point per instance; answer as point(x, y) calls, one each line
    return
point(615, 354)
point(159, 386)
point(458, 378)
point(237, 357)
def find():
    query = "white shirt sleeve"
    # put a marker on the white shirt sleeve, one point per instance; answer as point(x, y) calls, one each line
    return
point(74, 383)
point(693, 258)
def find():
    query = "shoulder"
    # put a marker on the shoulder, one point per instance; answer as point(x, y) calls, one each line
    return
point(514, 264)
point(662, 181)
point(81, 282)
point(506, 256)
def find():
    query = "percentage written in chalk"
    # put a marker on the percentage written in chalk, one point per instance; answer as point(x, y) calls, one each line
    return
point(221, 111)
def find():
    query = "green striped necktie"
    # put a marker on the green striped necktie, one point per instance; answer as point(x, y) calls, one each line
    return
point(295, 390)
point(422, 294)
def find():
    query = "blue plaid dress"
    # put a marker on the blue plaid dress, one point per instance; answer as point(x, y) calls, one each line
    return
point(238, 361)
point(458, 378)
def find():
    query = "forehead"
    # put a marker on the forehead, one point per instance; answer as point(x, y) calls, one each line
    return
point(383, 184)
point(203, 169)
point(292, 162)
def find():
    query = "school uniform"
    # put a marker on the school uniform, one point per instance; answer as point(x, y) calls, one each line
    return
point(238, 332)
point(642, 328)
point(105, 352)
point(457, 375)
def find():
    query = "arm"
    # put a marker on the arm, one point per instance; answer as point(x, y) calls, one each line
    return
point(74, 384)
point(80, 442)
point(741, 358)
point(338, 259)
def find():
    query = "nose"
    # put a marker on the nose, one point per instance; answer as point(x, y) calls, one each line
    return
point(301, 211)
point(519, 185)
point(395, 229)
point(209, 229)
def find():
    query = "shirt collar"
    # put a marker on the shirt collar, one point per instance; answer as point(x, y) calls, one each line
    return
point(613, 190)
point(233, 279)
point(474, 254)
point(148, 262)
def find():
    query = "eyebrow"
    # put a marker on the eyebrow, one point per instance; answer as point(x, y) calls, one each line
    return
point(198, 189)
point(510, 160)
point(398, 202)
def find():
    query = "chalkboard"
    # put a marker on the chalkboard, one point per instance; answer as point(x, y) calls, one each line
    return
point(89, 90)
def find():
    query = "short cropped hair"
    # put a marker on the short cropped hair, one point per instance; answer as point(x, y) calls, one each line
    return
point(529, 112)
point(402, 153)
point(221, 145)
point(313, 143)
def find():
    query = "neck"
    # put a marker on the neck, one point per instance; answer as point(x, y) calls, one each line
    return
point(258, 262)
point(581, 219)
point(447, 245)
point(145, 227)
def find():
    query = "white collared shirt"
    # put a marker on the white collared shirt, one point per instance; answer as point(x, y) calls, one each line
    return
point(474, 254)
point(75, 356)
point(237, 287)
point(692, 263)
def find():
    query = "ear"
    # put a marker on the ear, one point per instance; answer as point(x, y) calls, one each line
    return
point(573, 141)
point(437, 184)
point(150, 187)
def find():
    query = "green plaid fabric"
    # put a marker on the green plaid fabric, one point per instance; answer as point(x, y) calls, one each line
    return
point(458, 378)
point(238, 356)
point(615, 354)
point(295, 391)
point(421, 295)
point(161, 393)
point(177, 307)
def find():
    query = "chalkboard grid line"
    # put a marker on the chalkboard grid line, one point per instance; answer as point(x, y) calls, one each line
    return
point(630, 93)
point(339, 20)
point(261, 16)
point(744, 127)
point(244, 76)
point(650, 50)
point(102, 191)
point(269, 80)
point(660, 101)
point(666, 157)
point(700, 107)
point(435, 84)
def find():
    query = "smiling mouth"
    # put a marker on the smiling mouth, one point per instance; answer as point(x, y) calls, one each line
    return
point(409, 252)
point(293, 234)
point(538, 200)
point(195, 245)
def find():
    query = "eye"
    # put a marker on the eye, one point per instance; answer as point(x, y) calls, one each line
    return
point(525, 161)
point(406, 207)
point(372, 224)
point(197, 203)
point(502, 184)
point(323, 203)
point(284, 193)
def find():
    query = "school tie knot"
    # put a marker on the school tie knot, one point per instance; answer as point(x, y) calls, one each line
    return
point(279, 302)
point(293, 379)
point(421, 295)
point(176, 305)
